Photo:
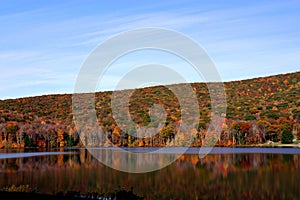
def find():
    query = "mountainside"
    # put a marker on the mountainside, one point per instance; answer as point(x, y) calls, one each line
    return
point(258, 110)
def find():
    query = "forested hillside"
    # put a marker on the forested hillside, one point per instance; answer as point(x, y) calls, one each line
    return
point(258, 110)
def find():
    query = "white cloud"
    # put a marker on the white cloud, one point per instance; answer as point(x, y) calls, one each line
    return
point(243, 40)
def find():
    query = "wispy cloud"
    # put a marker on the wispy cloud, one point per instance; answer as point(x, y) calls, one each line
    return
point(17, 55)
point(43, 48)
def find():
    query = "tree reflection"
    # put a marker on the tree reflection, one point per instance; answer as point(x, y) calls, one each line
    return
point(225, 176)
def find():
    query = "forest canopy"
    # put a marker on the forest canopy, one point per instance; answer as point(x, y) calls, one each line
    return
point(258, 110)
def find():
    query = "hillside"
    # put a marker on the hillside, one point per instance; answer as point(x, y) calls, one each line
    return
point(257, 110)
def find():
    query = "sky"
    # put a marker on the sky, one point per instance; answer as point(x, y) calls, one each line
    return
point(43, 44)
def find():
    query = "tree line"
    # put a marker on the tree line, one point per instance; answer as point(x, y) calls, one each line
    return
point(258, 110)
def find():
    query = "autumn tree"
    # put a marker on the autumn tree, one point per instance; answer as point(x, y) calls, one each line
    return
point(240, 131)
point(273, 133)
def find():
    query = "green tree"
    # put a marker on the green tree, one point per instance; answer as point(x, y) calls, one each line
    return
point(28, 142)
point(287, 137)
point(70, 141)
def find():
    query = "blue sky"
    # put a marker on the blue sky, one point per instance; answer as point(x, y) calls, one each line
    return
point(44, 43)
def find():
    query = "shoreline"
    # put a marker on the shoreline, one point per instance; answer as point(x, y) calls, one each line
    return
point(274, 145)
point(121, 194)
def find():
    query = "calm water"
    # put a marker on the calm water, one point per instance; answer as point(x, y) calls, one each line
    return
point(226, 173)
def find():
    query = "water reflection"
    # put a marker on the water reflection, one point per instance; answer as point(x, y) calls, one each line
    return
point(224, 176)
point(128, 161)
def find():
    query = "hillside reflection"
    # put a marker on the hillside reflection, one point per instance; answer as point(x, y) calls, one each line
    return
point(224, 176)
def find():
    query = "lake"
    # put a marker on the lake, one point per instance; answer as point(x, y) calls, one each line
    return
point(225, 173)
